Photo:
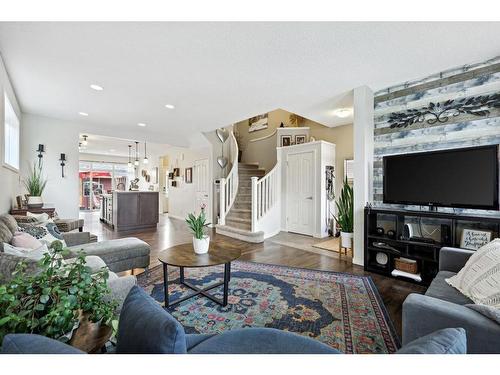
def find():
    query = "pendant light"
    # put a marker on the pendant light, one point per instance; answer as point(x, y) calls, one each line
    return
point(129, 164)
point(136, 161)
point(145, 161)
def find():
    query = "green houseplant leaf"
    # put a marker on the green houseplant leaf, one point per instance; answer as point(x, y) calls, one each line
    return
point(50, 302)
point(345, 208)
point(35, 182)
point(197, 224)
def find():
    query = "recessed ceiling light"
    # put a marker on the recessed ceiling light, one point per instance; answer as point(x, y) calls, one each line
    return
point(112, 150)
point(83, 113)
point(170, 106)
point(343, 112)
point(96, 87)
point(141, 124)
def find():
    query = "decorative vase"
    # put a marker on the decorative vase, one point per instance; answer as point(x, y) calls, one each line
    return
point(201, 245)
point(35, 202)
point(346, 239)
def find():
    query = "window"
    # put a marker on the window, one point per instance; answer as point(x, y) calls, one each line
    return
point(11, 149)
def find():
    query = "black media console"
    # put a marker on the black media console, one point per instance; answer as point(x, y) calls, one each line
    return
point(386, 238)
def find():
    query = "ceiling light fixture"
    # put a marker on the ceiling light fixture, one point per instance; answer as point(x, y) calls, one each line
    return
point(170, 106)
point(83, 114)
point(96, 87)
point(85, 142)
point(145, 161)
point(141, 124)
point(343, 112)
point(129, 164)
point(136, 161)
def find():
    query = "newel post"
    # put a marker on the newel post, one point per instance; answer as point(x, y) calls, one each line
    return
point(255, 203)
point(222, 202)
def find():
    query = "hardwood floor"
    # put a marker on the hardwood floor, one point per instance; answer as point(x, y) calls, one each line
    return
point(285, 249)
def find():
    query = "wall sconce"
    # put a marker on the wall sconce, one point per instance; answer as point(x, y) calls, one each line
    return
point(62, 159)
point(40, 150)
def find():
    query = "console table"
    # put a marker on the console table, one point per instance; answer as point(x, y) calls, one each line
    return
point(39, 210)
point(447, 231)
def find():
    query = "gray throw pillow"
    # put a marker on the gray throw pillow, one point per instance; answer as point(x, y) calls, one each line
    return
point(488, 311)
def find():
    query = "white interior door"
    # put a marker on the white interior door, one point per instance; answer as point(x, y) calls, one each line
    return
point(300, 193)
point(202, 185)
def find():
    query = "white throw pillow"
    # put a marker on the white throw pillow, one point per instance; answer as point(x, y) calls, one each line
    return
point(46, 232)
point(41, 218)
point(480, 278)
point(22, 252)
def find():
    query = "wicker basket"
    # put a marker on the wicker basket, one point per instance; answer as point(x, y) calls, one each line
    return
point(406, 265)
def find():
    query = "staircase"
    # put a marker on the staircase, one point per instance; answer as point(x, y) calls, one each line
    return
point(238, 222)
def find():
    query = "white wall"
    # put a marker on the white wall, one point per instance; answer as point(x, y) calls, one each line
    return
point(9, 179)
point(58, 137)
point(182, 199)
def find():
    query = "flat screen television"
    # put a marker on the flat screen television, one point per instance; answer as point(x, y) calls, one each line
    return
point(462, 178)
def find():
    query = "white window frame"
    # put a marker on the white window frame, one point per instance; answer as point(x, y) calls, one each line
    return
point(11, 122)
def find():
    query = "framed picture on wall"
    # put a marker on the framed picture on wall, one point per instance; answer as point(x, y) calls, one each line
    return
point(170, 175)
point(174, 183)
point(257, 123)
point(286, 140)
point(299, 139)
point(188, 175)
point(177, 172)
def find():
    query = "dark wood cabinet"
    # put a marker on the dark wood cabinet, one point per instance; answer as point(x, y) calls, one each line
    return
point(135, 210)
point(386, 238)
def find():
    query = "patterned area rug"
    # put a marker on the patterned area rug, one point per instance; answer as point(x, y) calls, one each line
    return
point(344, 311)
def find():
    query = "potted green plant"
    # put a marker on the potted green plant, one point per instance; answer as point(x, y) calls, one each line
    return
point(345, 214)
point(62, 300)
point(35, 184)
point(197, 224)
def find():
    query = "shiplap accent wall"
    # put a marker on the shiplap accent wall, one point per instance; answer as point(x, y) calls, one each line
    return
point(460, 131)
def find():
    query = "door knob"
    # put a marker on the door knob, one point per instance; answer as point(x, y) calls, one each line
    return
point(310, 198)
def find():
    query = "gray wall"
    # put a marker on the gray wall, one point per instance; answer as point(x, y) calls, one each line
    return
point(464, 130)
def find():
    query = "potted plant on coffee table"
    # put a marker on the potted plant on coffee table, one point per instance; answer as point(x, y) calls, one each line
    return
point(35, 184)
point(61, 300)
point(345, 214)
point(197, 224)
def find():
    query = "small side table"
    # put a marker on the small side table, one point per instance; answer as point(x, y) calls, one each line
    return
point(183, 256)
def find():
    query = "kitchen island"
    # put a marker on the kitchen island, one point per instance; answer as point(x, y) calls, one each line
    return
point(133, 210)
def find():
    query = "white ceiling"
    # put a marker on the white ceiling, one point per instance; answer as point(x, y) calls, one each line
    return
point(118, 147)
point(219, 73)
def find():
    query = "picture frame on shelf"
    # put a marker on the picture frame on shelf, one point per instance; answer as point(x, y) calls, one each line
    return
point(174, 183)
point(474, 239)
point(300, 139)
point(170, 175)
point(188, 175)
point(286, 140)
point(177, 172)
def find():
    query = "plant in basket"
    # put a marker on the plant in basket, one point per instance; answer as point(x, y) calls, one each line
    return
point(63, 300)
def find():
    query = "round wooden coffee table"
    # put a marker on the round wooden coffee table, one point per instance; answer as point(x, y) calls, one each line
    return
point(183, 256)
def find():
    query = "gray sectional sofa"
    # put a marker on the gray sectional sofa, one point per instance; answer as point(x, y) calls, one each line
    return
point(443, 306)
point(118, 255)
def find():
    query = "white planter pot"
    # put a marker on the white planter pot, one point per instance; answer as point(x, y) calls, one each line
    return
point(200, 246)
point(34, 202)
point(346, 239)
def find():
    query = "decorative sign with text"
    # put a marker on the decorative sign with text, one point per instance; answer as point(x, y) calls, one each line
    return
point(473, 239)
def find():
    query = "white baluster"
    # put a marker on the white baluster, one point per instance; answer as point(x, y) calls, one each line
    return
point(254, 181)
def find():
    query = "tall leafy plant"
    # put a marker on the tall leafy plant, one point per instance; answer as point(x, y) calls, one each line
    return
point(345, 208)
point(51, 302)
point(197, 224)
point(35, 182)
